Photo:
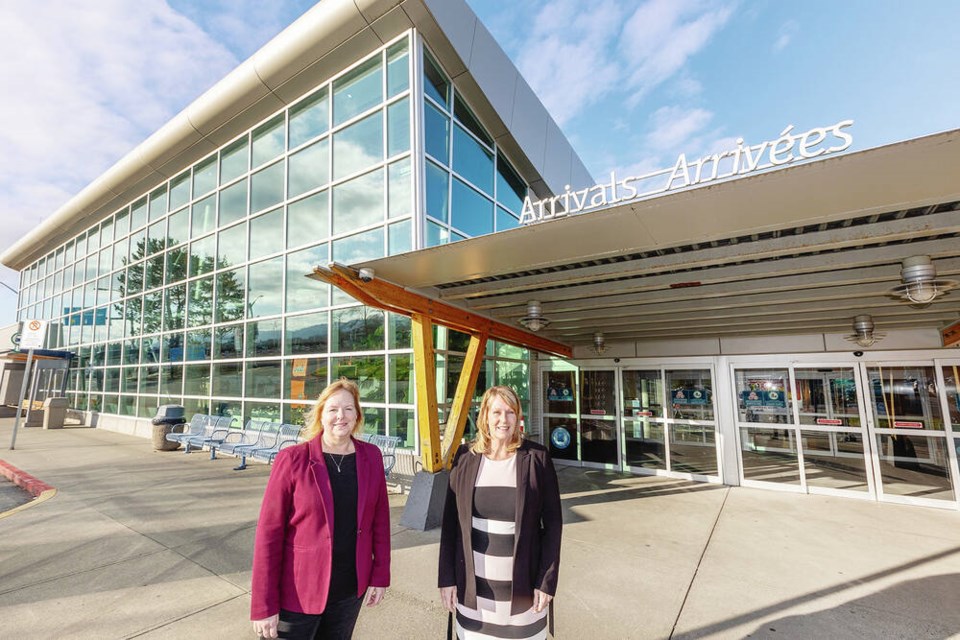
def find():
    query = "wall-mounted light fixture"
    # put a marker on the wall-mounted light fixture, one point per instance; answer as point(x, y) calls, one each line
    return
point(599, 343)
point(864, 331)
point(918, 282)
point(534, 320)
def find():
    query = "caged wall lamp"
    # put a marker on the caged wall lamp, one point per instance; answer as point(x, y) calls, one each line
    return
point(534, 320)
point(599, 343)
point(918, 282)
point(864, 331)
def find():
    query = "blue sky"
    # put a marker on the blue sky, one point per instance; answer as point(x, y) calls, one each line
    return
point(631, 83)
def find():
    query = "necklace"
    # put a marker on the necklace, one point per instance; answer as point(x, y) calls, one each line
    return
point(334, 460)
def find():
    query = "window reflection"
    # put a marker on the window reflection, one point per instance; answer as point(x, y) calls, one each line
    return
point(358, 146)
point(306, 334)
point(357, 329)
point(309, 168)
point(264, 295)
point(308, 118)
point(357, 90)
point(358, 203)
point(471, 212)
point(307, 220)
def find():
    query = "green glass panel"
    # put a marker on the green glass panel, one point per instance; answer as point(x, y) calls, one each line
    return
point(196, 379)
point(367, 371)
point(472, 213)
point(171, 347)
point(472, 161)
point(403, 425)
point(230, 295)
point(400, 328)
point(200, 302)
point(436, 235)
point(436, 133)
point(228, 379)
point(304, 378)
point(357, 329)
point(401, 378)
point(175, 307)
point(197, 346)
point(176, 264)
point(438, 192)
point(506, 220)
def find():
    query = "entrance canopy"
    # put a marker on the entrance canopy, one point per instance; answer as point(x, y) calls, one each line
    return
point(796, 251)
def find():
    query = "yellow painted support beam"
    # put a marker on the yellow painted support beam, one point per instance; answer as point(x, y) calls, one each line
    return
point(457, 420)
point(424, 368)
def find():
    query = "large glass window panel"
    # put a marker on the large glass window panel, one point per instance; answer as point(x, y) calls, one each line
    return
point(309, 118)
point(762, 396)
point(769, 455)
point(399, 189)
point(834, 460)
point(400, 331)
point(304, 378)
point(133, 312)
point(230, 295)
point(374, 421)
point(828, 396)
point(471, 212)
point(436, 133)
point(357, 329)
point(266, 234)
point(366, 371)
point(175, 307)
point(263, 338)
point(228, 379)
point(263, 379)
point(203, 216)
point(228, 341)
point(261, 411)
point(229, 409)
point(266, 187)
point(358, 203)
point(514, 375)
point(914, 465)
point(693, 449)
point(152, 311)
point(506, 220)
point(197, 345)
point(178, 227)
point(398, 127)
point(180, 191)
point(597, 393)
point(306, 333)
point(359, 247)
point(472, 161)
point(462, 113)
point(205, 176)
point(642, 394)
point(233, 203)
point(158, 203)
point(269, 141)
point(436, 235)
point(304, 293)
point(153, 272)
point(400, 237)
point(171, 380)
point(357, 90)
point(401, 378)
point(435, 83)
point(138, 216)
point(196, 379)
point(905, 397)
point(403, 425)
point(265, 295)
point(234, 160)
point(398, 76)
point(203, 255)
point(232, 246)
point(511, 189)
point(309, 168)
point(358, 146)
point(951, 380)
point(171, 347)
point(120, 251)
point(438, 192)
point(200, 302)
point(149, 379)
point(691, 394)
point(196, 405)
point(175, 262)
point(308, 220)
point(563, 437)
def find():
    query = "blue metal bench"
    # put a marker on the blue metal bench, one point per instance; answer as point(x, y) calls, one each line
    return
point(194, 428)
point(266, 438)
point(238, 438)
point(388, 447)
point(216, 430)
point(288, 436)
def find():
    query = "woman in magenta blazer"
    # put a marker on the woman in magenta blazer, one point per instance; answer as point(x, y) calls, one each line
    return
point(323, 538)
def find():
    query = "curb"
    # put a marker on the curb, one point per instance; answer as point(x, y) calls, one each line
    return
point(24, 480)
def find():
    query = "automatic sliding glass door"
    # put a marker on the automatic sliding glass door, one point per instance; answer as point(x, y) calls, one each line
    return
point(598, 418)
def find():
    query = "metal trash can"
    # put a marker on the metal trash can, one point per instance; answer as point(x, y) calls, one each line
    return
point(170, 418)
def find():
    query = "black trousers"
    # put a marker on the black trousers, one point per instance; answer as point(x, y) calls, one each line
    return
point(335, 623)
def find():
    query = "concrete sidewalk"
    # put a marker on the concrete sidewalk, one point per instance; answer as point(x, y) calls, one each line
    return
point(144, 544)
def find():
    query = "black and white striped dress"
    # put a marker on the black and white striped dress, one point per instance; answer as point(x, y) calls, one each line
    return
point(494, 516)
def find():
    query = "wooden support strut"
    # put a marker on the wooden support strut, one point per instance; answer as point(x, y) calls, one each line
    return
point(436, 452)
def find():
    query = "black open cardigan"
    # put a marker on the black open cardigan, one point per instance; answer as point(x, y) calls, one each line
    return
point(536, 555)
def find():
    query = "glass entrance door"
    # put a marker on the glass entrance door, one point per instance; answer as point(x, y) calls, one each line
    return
point(911, 436)
point(598, 418)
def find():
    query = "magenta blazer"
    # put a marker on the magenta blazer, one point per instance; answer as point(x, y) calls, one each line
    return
point(293, 550)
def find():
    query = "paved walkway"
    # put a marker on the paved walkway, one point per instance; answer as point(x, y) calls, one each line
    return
point(144, 544)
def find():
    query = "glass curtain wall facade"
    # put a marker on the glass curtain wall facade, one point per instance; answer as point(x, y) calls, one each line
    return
point(195, 293)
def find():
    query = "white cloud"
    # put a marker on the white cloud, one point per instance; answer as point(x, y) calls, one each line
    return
point(674, 127)
point(785, 35)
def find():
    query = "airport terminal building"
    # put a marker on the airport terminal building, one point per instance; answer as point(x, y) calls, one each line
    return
point(779, 315)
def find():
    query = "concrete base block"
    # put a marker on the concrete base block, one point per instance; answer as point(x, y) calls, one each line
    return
point(425, 503)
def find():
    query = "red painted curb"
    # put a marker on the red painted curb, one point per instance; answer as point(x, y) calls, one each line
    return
point(23, 479)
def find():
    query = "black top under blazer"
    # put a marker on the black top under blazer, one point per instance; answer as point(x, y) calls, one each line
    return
point(536, 555)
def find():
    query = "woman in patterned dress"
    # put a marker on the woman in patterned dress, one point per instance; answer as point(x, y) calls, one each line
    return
point(500, 535)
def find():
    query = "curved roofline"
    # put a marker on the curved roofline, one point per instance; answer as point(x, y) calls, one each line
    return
point(328, 37)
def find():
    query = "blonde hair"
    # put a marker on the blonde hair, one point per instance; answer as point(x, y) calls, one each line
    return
point(313, 425)
point(481, 444)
